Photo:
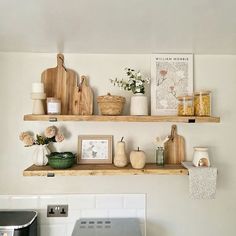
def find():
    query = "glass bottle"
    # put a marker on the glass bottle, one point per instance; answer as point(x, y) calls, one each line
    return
point(160, 158)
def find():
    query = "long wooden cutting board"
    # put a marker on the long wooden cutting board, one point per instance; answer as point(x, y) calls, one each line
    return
point(174, 148)
point(83, 98)
point(60, 82)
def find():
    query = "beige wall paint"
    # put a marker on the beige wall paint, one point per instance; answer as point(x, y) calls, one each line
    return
point(170, 212)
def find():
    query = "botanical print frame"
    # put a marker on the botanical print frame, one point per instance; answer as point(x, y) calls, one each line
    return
point(94, 149)
point(172, 76)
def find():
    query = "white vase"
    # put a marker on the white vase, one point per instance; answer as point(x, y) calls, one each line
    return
point(39, 155)
point(139, 105)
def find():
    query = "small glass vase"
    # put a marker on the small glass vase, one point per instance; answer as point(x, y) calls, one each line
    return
point(160, 156)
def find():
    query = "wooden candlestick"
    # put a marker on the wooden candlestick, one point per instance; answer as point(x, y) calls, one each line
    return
point(38, 103)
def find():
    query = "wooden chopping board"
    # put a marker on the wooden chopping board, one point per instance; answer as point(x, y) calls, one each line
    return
point(83, 98)
point(174, 148)
point(60, 83)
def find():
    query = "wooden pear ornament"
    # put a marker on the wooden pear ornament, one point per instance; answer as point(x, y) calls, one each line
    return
point(174, 148)
point(120, 158)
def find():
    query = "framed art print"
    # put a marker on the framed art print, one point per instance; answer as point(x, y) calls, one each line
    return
point(95, 149)
point(172, 76)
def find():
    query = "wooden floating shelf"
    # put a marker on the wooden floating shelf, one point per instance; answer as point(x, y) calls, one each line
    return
point(76, 170)
point(183, 119)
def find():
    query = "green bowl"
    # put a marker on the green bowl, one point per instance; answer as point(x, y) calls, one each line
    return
point(61, 160)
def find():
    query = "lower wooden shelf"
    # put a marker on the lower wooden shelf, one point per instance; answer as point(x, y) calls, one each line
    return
point(150, 169)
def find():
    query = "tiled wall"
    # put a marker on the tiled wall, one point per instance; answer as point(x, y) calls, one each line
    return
point(80, 205)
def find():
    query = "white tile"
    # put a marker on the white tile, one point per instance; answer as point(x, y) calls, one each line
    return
point(122, 213)
point(135, 201)
point(109, 201)
point(4, 202)
point(53, 230)
point(82, 201)
point(69, 229)
point(51, 200)
point(73, 215)
point(93, 213)
point(24, 202)
point(43, 230)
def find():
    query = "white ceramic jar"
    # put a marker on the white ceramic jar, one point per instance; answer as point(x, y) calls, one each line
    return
point(201, 157)
point(139, 105)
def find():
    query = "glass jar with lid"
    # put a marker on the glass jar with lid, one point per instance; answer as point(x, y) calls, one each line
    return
point(202, 103)
point(186, 105)
point(53, 106)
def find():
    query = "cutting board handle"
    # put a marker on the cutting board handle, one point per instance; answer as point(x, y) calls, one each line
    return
point(60, 61)
point(173, 132)
point(84, 80)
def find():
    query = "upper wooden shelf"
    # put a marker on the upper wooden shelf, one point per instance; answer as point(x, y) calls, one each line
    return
point(183, 119)
point(109, 169)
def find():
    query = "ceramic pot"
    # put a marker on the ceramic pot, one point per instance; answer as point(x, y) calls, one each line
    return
point(120, 159)
point(137, 159)
point(39, 155)
point(201, 157)
point(139, 105)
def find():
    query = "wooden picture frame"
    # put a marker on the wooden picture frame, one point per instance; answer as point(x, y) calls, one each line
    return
point(172, 76)
point(94, 149)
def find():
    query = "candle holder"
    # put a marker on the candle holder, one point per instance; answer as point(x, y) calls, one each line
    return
point(38, 103)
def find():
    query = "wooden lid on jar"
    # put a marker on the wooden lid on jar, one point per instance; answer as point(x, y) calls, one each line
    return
point(110, 98)
point(202, 92)
point(185, 97)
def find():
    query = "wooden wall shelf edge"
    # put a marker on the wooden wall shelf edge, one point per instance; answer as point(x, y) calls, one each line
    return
point(93, 170)
point(183, 119)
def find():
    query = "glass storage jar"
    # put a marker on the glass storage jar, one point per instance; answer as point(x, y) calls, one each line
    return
point(53, 106)
point(185, 105)
point(202, 103)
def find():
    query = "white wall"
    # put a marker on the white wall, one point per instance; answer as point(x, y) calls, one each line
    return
point(170, 212)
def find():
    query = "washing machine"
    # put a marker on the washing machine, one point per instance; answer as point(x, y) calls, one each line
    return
point(107, 227)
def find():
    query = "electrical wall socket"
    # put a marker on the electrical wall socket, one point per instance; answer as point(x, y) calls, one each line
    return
point(57, 211)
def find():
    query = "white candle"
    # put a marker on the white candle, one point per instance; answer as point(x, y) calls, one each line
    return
point(37, 88)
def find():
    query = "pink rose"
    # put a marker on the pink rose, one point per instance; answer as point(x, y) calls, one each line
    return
point(22, 135)
point(59, 137)
point(28, 140)
point(51, 131)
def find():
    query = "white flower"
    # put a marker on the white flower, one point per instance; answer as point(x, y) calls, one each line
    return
point(139, 83)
